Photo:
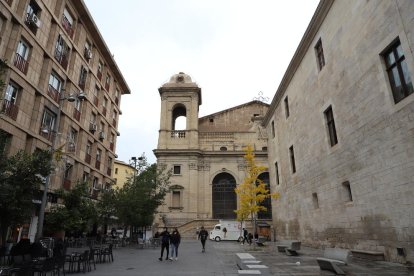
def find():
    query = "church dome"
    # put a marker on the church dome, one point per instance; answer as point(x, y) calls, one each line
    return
point(180, 78)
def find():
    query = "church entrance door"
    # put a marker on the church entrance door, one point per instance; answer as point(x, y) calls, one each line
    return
point(224, 196)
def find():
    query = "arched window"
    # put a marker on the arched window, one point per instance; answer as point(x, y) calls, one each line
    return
point(224, 196)
point(179, 117)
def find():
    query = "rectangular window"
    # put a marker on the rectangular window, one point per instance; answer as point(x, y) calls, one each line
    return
point(319, 55)
point(12, 91)
point(88, 148)
point(67, 22)
point(48, 120)
point(55, 82)
point(347, 191)
point(116, 170)
point(330, 122)
point(82, 77)
point(32, 16)
point(85, 177)
point(73, 136)
point(286, 107)
point(22, 56)
point(277, 173)
point(62, 51)
point(398, 74)
point(315, 200)
point(292, 159)
point(177, 169)
point(5, 142)
point(273, 129)
point(98, 154)
point(176, 199)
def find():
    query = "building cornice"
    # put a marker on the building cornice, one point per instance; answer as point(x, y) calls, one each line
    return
point(313, 27)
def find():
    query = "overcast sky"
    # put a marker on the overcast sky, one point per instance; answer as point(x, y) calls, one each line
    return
point(233, 49)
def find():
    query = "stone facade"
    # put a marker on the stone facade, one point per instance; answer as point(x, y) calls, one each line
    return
point(56, 54)
point(356, 192)
point(206, 153)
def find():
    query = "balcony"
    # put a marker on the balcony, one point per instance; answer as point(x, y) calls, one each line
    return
point(62, 58)
point(21, 63)
point(98, 165)
point(111, 146)
point(104, 111)
point(107, 86)
point(82, 84)
point(114, 122)
point(53, 93)
point(88, 158)
point(108, 171)
point(71, 148)
point(46, 134)
point(178, 134)
point(10, 109)
point(116, 100)
point(67, 26)
point(76, 114)
point(67, 184)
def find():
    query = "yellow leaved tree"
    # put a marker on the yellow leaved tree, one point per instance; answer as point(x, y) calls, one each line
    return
point(253, 191)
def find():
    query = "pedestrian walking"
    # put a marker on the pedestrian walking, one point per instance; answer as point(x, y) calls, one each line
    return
point(165, 242)
point(245, 235)
point(175, 240)
point(202, 236)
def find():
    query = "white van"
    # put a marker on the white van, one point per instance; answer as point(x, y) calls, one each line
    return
point(227, 230)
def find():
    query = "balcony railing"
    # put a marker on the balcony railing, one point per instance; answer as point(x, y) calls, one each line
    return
point(97, 164)
point(62, 58)
point(178, 134)
point(71, 148)
point(21, 63)
point(116, 100)
point(46, 134)
point(107, 86)
point(82, 84)
point(108, 171)
point(114, 122)
point(104, 111)
point(67, 26)
point(10, 109)
point(67, 184)
point(76, 114)
point(88, 158)
point(53, 93)
point(111, 146)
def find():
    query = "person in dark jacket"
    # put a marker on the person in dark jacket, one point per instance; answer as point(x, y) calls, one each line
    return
point(202, 236)
point(175, 240)
point(165, 242)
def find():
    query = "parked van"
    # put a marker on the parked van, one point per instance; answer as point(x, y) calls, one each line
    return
point(227, 230)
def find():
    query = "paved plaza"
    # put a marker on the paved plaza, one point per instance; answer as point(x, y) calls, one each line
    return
point(220, 259)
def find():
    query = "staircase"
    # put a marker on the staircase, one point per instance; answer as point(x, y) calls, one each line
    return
point(188, 230)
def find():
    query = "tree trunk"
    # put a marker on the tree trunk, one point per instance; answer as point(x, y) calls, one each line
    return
point(3, 234)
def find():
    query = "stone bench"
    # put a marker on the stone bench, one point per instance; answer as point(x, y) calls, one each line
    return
point(243, 258)
point(290, 247)
point(249, 272)
point(369, 255)
point(332, 258)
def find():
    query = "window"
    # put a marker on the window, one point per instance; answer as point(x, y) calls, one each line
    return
point(5, 141)
point(88, 148)
point(292, 159)
point(11, 92)
point(85, 177)
point(286, 101)
point(107, 82)
point(32, 16)
point(68, 171)
point(315, 200)
point(55, 86)
point(62, 51)
point(264, 148)
point(82, 77)
point(277, 173)
point(73, 135)
point(22, 56)
point(48, 120)
point(93, 118)
point(398, 74)
point(211, 120)
point(319, 55)
point(176, 199)
point(177, 169)
point(67, 22)
point(330, 122)
point(98, 154)
point(77, 103)
point(223, 148)
point(87, 51)
point(100, 70)
point(116, 170)
point(273, 129)
point(347, 191)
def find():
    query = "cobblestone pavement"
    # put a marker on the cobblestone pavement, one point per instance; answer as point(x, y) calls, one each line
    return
point(220, 259)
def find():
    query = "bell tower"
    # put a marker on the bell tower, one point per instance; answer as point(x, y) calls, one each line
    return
point(180, 99)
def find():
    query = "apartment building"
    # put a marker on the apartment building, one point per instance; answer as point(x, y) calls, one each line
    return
point(63, 89)
point(340, 127)
point(122, 173)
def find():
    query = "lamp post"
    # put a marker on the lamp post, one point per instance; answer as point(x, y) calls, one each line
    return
point(134, 161)
point(71, 98)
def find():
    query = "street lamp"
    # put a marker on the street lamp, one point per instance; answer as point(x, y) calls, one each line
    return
point(71, 98)
point(134, 161)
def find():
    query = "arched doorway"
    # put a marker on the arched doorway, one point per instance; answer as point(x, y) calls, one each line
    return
point(267, 202)
point(224, 196)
